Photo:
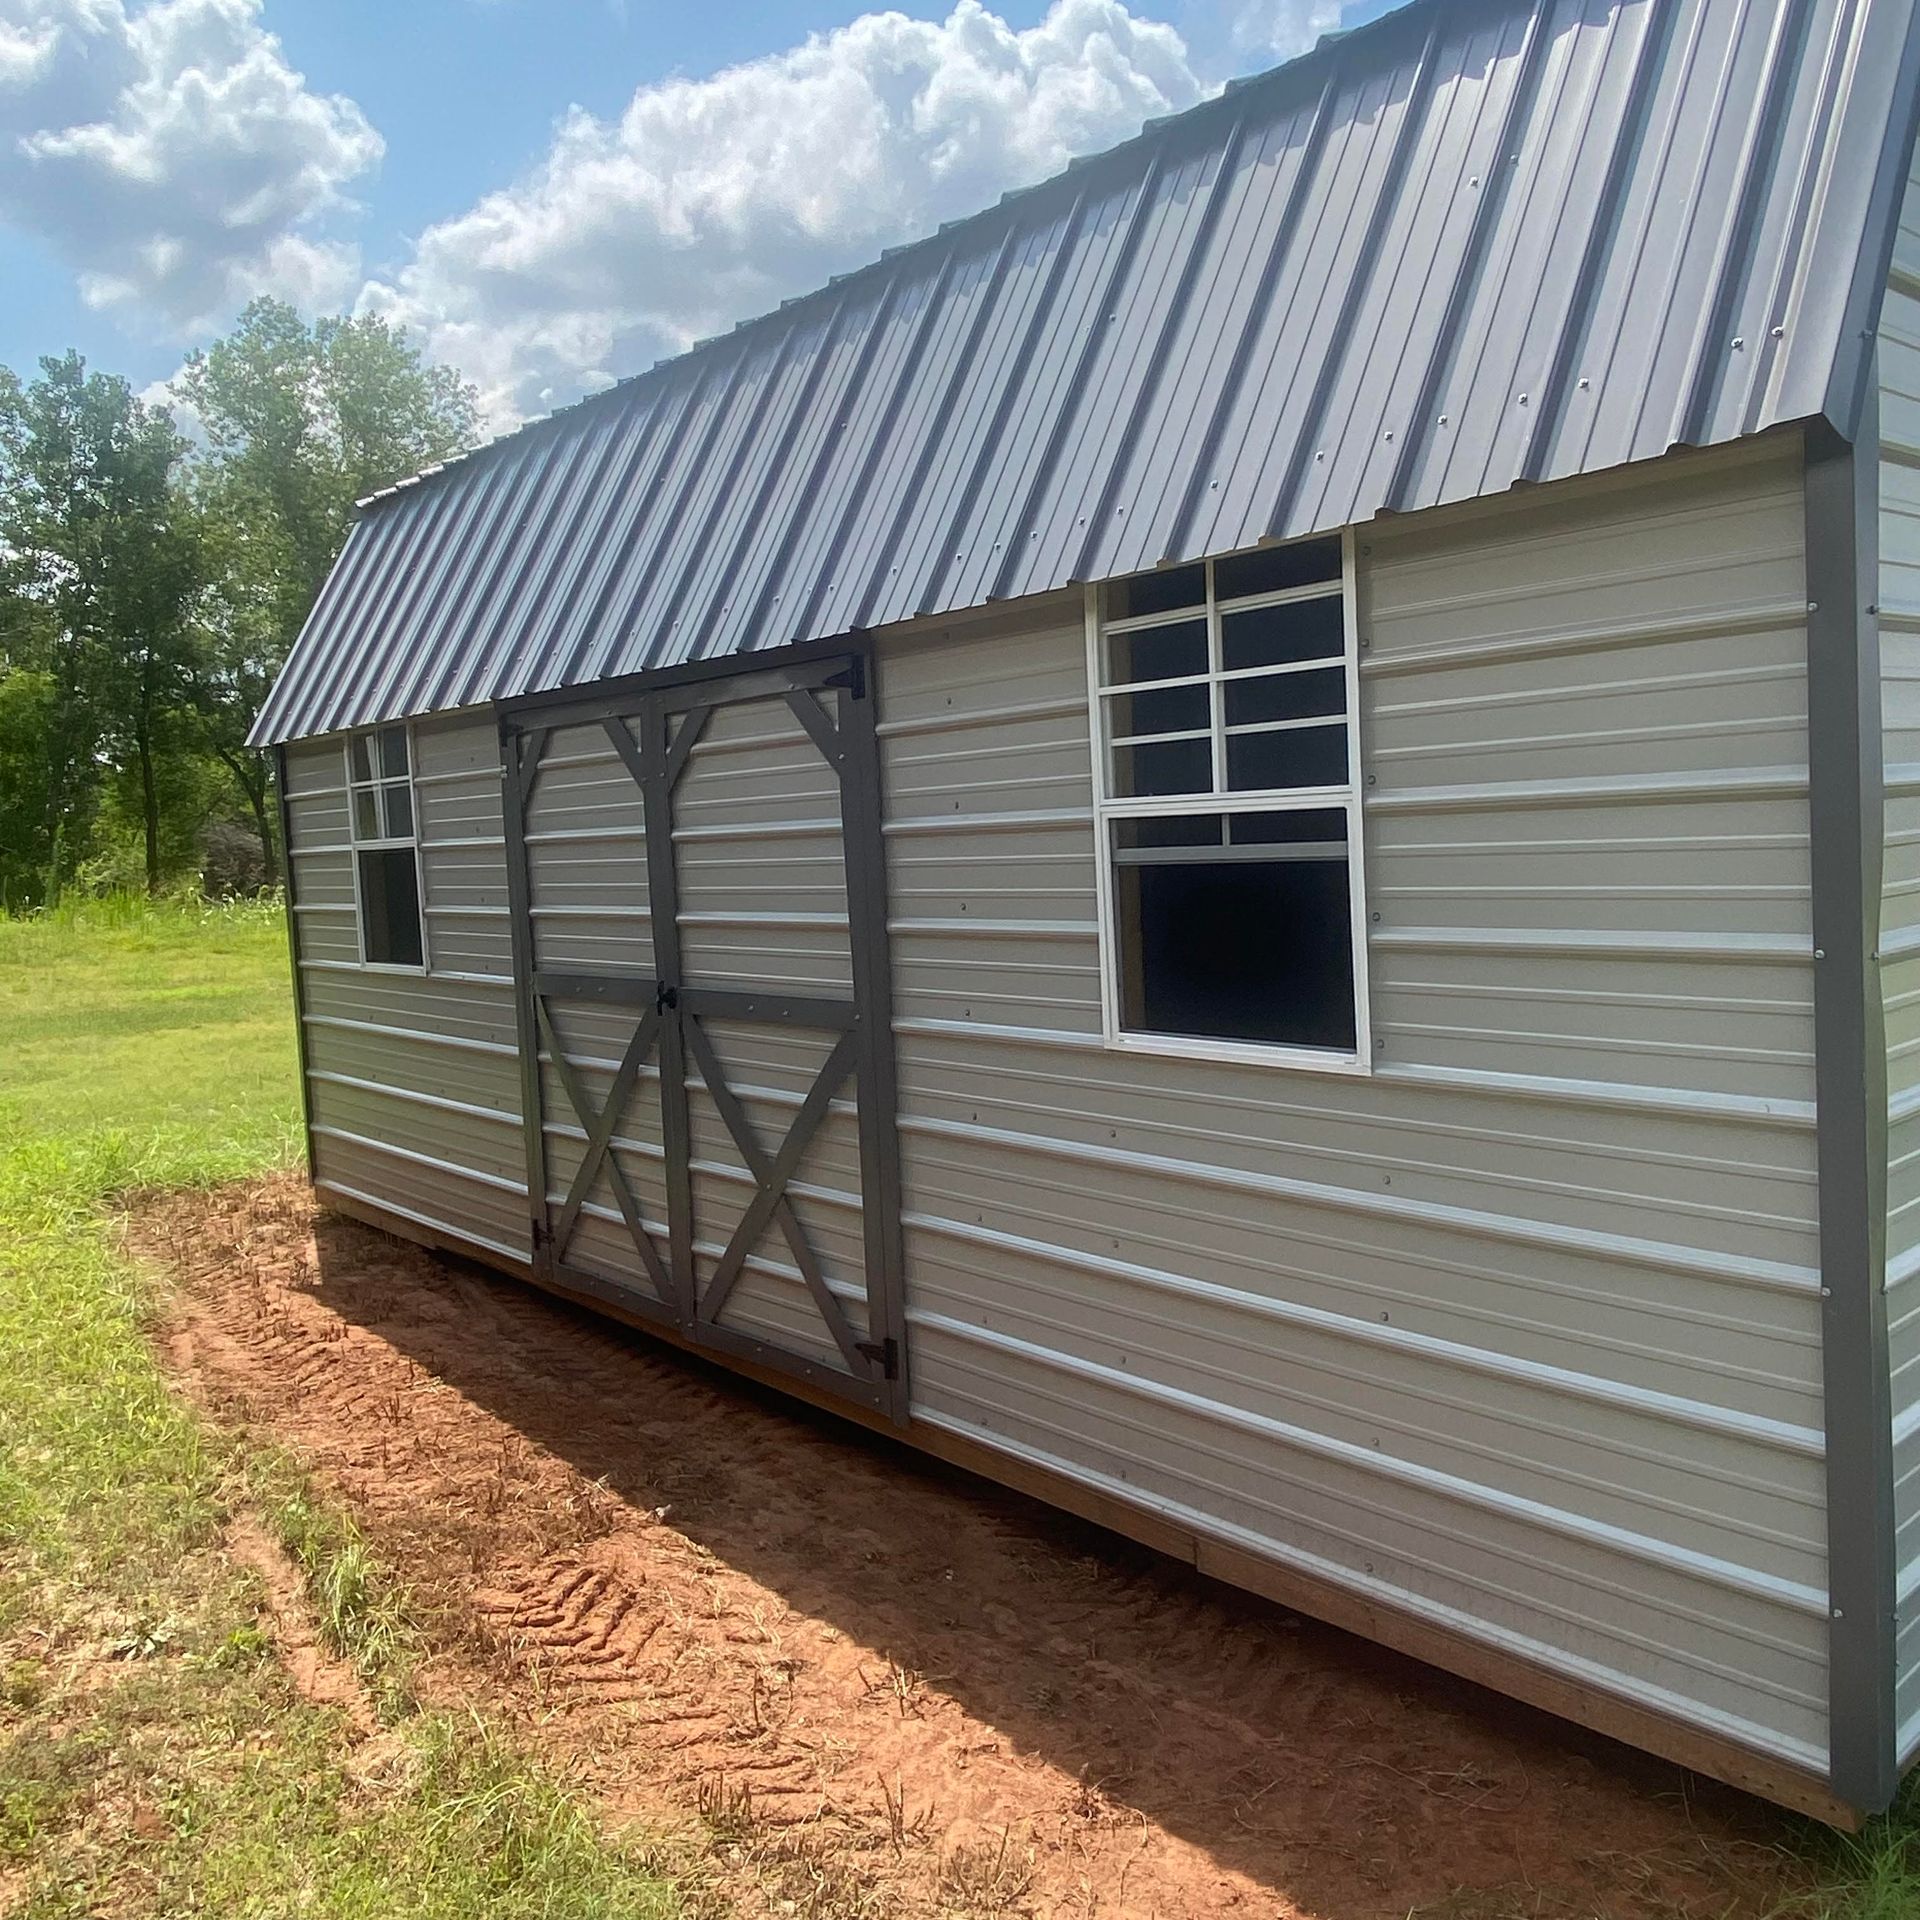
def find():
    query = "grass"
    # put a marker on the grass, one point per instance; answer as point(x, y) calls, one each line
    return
point(155, 1757)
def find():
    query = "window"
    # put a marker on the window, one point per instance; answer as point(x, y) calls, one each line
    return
point(386, 859)
point(1231, 917)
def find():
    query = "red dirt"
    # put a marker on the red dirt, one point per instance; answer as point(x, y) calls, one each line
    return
point(885, 1687)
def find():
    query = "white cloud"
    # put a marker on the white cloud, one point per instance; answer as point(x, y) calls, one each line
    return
point(174, 158)
point(708, 200)
point(1281, 28)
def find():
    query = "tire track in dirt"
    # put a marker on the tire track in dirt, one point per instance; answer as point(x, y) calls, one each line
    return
point(886, 1688)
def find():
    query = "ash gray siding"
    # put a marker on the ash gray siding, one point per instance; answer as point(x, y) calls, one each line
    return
point(1899, 350)
point(1520, 1334)
point(413, 1078)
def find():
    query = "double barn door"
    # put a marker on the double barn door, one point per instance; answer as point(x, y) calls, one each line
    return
point(700, 951)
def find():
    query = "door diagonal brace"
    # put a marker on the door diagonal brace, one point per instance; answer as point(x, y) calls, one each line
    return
point(605, 1121)
point(770, 1202)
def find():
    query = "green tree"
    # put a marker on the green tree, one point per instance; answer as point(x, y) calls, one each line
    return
point(99, 567)
point(300, 421)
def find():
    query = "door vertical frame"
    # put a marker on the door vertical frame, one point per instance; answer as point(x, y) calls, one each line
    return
point(864, 849)
point(517, 750)
point(663, 918)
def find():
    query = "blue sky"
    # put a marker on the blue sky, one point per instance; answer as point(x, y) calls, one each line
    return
point(551, 193)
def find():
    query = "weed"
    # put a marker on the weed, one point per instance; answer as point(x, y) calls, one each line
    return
point(986, 1877)
point(726, 1811)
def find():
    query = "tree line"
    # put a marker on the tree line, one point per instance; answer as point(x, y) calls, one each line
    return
point(151, 586)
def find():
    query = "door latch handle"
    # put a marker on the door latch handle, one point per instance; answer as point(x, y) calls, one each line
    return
point(665, 998)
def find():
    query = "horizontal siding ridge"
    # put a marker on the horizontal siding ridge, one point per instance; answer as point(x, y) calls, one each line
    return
point(1602, 944)
point(1718, 623)
point(1902, 776)
point(1623, 1096)
point(1903, 1266)
point(1691, 1102)
point(417, 1096)
point(990, 822)
point(952, 719)
point(426, 1035)
point(1001, 929)
point(1720, 783)
point(1782, 1435)
point(1730, 1577)
point(1472, 1626)
point(1777, 1276)
point(420, 1159)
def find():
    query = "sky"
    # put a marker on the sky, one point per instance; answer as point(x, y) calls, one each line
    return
point(548, 194)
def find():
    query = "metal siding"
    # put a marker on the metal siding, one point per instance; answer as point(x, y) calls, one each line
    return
point(413, 1078)
point(1898, 354)
point(1521, 1332)
point(1200, 339)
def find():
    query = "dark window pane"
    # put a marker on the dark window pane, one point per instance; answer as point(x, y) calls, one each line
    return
point(1158, 653)
point(366, 813)
point(1273, 569)
point(362, 767)
point(1170, 766)
point(1287, 696)
point(1169, 830)
point(390, 907)
point(1278, 636)
point(393, 751)
point(1246, 950)
point(399, 811)
point(1309, 827)
point(1299, 757)
point(1165, 710)
point(1161, 592)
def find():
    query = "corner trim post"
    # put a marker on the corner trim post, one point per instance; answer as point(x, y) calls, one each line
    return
point(1846, 832)
point(285, 812)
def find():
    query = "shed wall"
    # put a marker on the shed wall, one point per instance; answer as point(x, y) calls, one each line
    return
point(413, 1078)
point(1899, 360)
point(1519, 1334)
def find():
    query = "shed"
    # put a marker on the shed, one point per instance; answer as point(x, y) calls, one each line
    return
point(1240, 843)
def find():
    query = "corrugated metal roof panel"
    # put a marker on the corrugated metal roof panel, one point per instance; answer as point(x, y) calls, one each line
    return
point(1469, 245)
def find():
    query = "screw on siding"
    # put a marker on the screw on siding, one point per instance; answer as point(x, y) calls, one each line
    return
point(1443, 419)
point(1779, 333)
point(1585, 384)
point(1523, 399)
point(1819, 953)
point(1738, 343)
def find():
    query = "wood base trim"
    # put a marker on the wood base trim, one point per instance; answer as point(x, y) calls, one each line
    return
point(1457, 1653)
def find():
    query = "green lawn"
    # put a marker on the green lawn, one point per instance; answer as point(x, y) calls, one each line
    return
point(154, 1757)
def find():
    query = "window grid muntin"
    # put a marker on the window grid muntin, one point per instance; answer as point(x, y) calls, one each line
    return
point(1344, 798)
point(1215, 679)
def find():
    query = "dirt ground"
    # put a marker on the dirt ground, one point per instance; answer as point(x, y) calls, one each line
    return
point(866, 1684)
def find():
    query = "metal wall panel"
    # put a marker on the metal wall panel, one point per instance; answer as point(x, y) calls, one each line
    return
point(1519, 1333)
point(1465, 246)
point(1898, 352)
point(413, 1078)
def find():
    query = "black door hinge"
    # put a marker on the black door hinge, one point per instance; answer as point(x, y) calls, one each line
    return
point(665, 998)
point(886, 1351)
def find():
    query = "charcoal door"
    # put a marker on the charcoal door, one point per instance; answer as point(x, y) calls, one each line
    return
point(700, 950)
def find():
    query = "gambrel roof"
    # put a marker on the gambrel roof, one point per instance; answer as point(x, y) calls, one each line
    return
point(1475, 243)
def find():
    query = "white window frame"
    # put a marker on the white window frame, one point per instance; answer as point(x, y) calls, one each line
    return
point(359, 846)
point(1345, 799)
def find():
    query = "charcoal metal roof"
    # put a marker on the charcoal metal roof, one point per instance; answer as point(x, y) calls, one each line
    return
point(1474, 243)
